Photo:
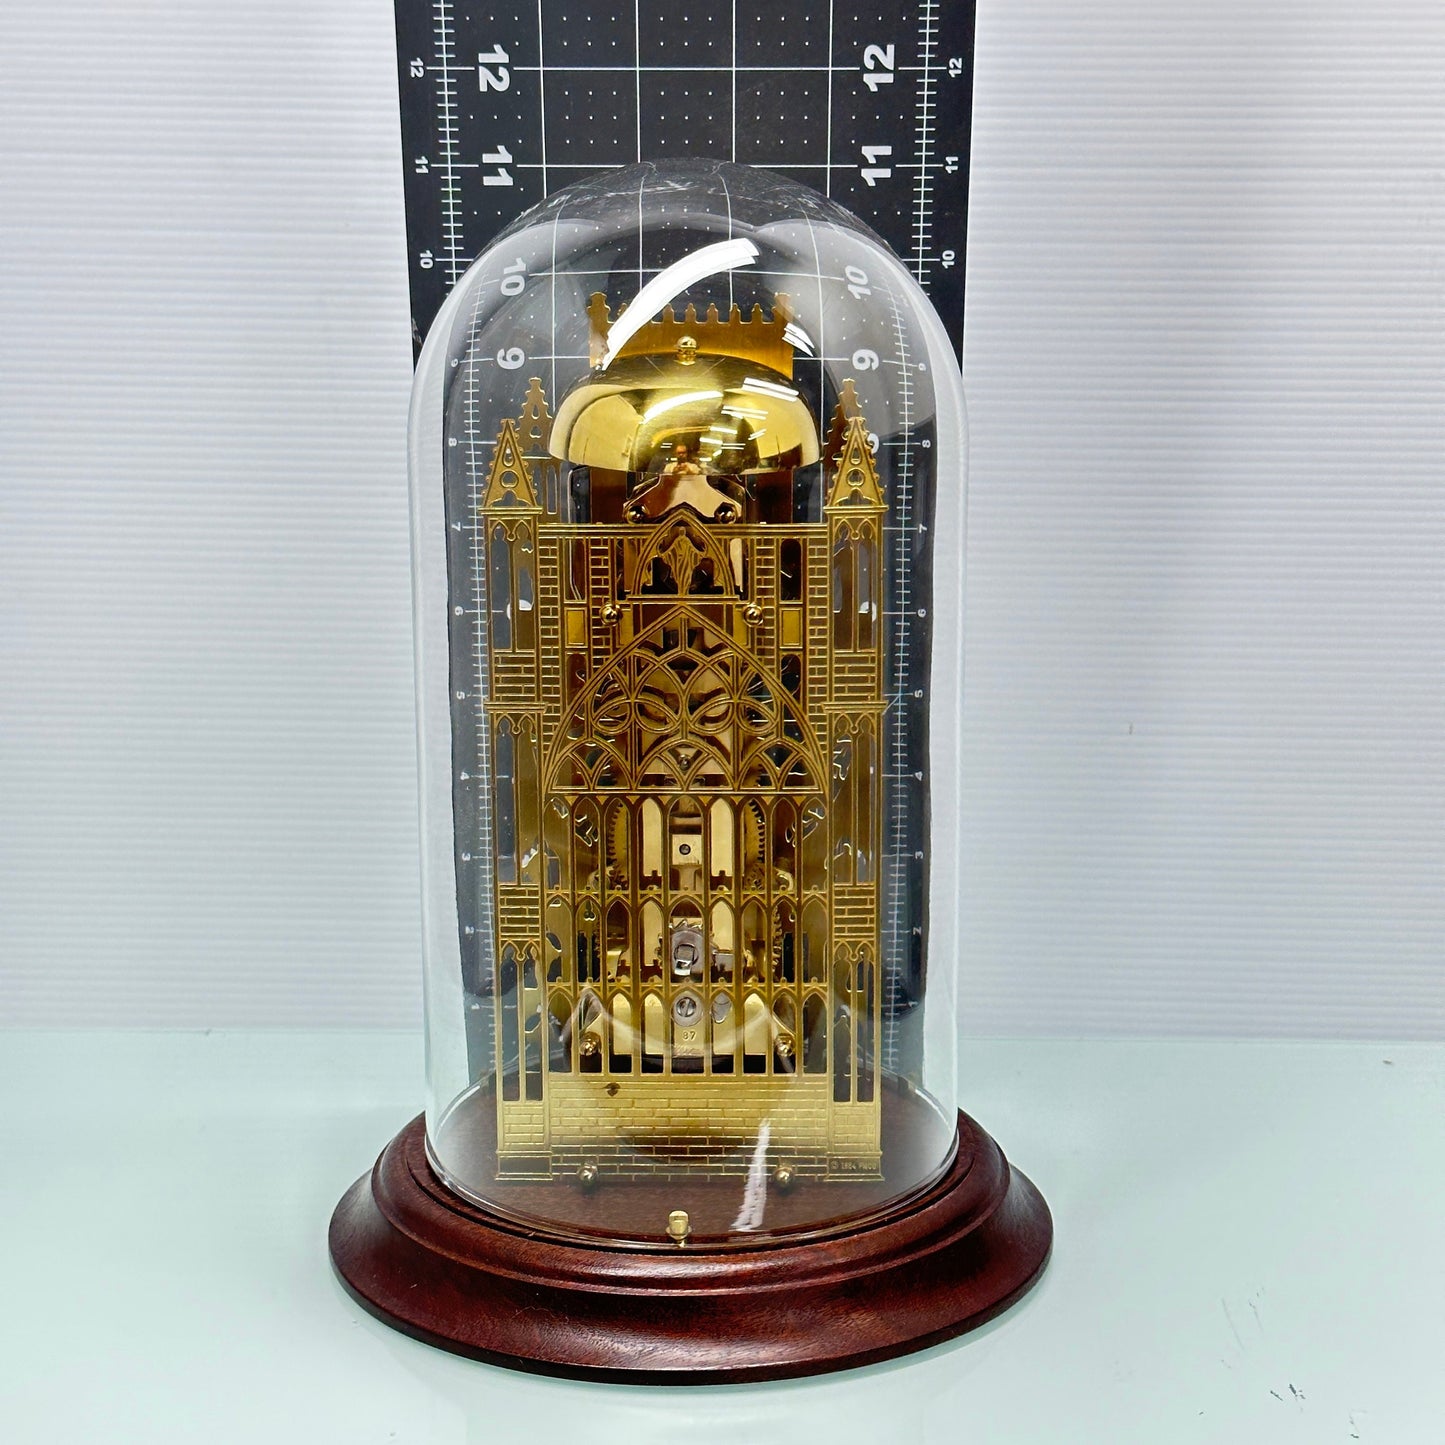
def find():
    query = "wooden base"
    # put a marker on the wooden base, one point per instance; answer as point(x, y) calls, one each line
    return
point(452, 1274)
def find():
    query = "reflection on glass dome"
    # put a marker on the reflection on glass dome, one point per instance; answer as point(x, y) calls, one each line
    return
point(685, 442)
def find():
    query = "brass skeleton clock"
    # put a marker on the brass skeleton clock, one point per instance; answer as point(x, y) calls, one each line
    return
point(687, 485)
point(684, 719)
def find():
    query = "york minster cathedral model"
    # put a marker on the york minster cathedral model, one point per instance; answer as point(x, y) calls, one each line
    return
point(683, 718)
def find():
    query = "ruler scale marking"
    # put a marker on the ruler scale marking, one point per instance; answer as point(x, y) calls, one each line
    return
point(914, 118)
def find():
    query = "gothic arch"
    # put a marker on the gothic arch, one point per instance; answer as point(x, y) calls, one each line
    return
point(682, 544)
point(720, 718)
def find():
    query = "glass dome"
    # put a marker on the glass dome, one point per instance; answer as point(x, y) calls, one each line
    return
point(687, 469)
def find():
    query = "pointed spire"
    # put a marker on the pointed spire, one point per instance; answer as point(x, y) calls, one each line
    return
point(855, 483)
point(847, 408)
point(535, 423)
point(534, 427)
point(509, 483)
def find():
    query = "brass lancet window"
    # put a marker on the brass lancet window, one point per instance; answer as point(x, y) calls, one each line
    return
point(518, 840)
point(512, 585)
point(855, 588)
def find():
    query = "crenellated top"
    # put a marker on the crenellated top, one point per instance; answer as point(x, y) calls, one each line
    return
point(757, 337)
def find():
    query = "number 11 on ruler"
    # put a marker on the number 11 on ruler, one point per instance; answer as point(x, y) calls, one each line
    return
point(873, 172)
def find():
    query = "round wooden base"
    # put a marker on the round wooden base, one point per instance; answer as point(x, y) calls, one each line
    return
point(447, 1272)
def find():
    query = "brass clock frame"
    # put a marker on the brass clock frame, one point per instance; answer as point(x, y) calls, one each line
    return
point(684, 722)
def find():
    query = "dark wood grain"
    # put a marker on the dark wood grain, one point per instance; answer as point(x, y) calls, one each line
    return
point(448, 1272)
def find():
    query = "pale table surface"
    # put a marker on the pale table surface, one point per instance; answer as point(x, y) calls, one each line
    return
point(1250, 1247)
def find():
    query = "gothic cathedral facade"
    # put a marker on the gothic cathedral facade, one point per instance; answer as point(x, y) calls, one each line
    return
point(684, 720)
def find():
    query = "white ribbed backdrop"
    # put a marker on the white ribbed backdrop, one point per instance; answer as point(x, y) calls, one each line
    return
point(1205, 731)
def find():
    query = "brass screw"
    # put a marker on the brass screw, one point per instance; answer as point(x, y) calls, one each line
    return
point(753, 613)
point(611, 612)
point(591, 1046)
point(678, 1226)
point(587, 1177)
point(785, 1176)
point(686, 350)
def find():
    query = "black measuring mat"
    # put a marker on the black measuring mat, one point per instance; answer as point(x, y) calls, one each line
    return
point(866, 101)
